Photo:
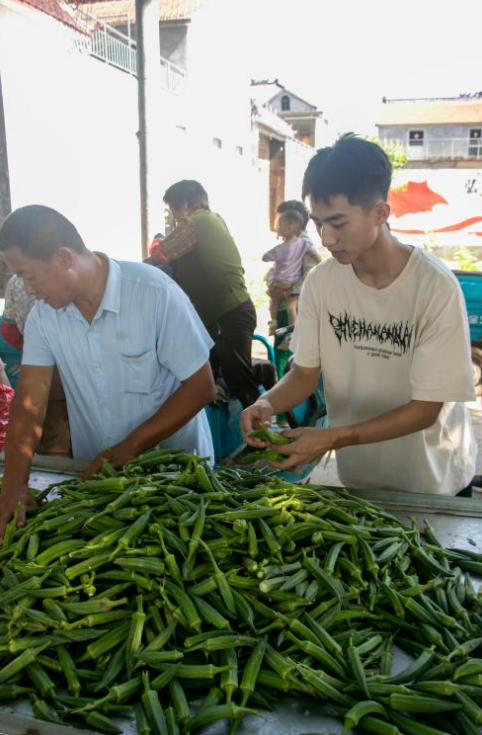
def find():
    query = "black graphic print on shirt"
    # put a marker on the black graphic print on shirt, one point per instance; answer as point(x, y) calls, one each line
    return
point(354, 329)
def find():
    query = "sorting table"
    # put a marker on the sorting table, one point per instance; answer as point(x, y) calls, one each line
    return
point(457, 523)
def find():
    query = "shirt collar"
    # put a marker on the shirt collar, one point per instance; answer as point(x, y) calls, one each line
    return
point(111, 301)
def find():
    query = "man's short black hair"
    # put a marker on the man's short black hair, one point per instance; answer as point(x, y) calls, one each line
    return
point(353, 167)
point(187, 192)
point(294, 205)
point(39, 231)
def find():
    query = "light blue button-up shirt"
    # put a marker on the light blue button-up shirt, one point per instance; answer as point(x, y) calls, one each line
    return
point(117, 371)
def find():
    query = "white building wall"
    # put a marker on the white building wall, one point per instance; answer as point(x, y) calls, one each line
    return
point(219, 107)
point(298, 156)
point(437, 207)
point(71, 125)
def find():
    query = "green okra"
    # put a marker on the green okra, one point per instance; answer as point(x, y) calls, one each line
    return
point(271, 437)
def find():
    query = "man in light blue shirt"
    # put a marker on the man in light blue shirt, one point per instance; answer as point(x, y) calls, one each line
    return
point(131, 351)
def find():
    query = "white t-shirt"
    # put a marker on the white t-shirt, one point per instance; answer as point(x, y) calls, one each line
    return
point(377, 350)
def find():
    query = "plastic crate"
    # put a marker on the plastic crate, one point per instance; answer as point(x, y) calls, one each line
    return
point(223, 420)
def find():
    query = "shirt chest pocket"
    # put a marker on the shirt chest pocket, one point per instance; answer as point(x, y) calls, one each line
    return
point(139, 371)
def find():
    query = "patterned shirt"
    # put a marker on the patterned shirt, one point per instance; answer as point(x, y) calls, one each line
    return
point(17, 303)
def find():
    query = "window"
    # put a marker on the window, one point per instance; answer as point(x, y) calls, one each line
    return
point(239, 150)
point(415, 137)
point(285, 103)
point(217, 143)
point(475, 142)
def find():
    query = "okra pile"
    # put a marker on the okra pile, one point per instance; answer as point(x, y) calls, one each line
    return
point(182, 595)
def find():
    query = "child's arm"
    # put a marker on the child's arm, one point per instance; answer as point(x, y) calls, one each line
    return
point(312, 251)
point(274, 254)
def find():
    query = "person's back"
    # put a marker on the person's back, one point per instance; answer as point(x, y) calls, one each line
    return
point(213, 267)
point(207, 265)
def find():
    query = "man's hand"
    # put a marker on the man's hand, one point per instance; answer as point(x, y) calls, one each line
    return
point(117, 456)
point(309, 446)
point(253, 418)
point(9, 501)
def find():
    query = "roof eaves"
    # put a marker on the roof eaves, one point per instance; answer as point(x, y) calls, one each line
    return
point(54, 9)
point(119, 12)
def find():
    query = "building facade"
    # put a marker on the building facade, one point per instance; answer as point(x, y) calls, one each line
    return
point(436, 198)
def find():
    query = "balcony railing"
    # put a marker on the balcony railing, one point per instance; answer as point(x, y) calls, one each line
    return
point(106, 43)
point(445, 148)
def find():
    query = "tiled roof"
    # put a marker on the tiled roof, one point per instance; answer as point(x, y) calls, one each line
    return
point(117, 12)
point(180, 9)
point(52, 8)
point(463, 111)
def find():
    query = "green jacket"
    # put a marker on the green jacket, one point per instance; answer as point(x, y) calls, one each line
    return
point(212, 274)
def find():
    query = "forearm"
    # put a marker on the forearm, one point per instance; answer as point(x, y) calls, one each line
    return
point(293, 388)
point(180, 242)
point(190, 398)
point(408, 419)
point(23, 435)
point(309, 444)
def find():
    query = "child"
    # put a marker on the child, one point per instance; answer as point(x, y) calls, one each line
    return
point(288, 260)
point(312, 256)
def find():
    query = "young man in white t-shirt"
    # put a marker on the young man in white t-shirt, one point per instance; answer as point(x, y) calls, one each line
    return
point(386, 326)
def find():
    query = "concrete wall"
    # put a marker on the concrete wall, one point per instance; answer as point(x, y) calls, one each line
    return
point(297, 159)
point(219, 108)
point(173, 41)
point(437, 208)
point(71, 125)
point(440, 141)
point(431, 132)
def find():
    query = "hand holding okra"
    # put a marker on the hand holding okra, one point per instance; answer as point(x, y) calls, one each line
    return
point(12, 501)
point(304, 446)
point(117, 456)
point(254, 419)
point(290, 448)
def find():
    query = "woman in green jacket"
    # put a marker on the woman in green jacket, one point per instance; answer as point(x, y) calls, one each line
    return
point(205, 262)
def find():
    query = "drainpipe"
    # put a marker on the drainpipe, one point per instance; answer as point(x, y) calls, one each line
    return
point(149, 103)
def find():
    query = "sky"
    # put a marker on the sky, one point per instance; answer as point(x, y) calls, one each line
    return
point(345, 55)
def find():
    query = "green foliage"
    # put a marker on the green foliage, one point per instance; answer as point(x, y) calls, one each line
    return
point(257, 291)
point(464, 260)
point(394, 150)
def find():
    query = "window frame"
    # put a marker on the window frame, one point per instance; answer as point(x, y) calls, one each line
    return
point(416, 142)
